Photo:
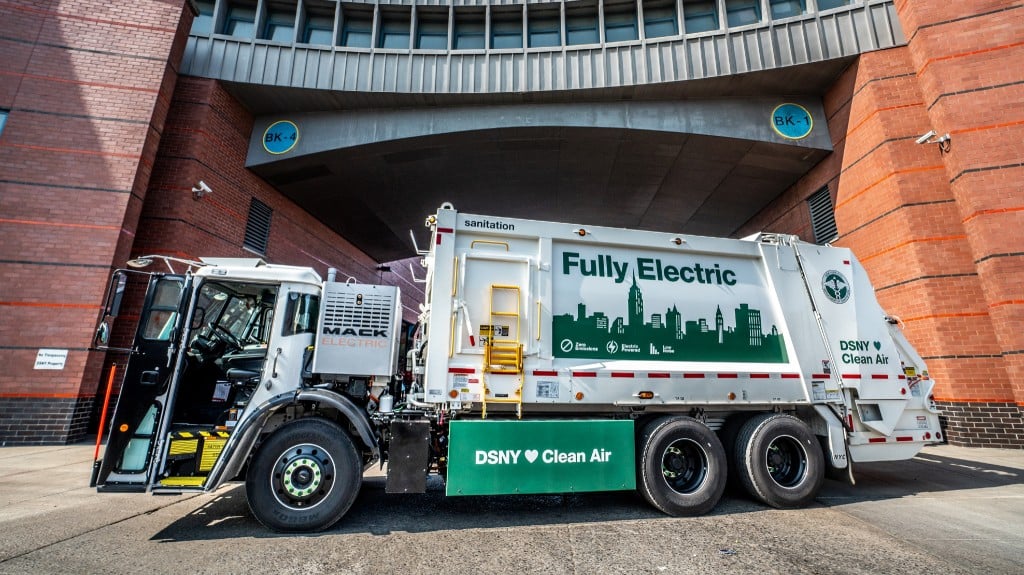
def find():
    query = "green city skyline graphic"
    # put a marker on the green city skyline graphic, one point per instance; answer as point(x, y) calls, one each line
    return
point(668, 336)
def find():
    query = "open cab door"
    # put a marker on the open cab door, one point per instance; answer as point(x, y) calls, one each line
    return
point(131, 456)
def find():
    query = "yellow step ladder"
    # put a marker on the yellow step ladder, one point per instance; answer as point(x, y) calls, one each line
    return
point(503, 356)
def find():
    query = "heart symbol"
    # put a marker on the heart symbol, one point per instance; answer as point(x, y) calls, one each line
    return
point(531, 455)
point(878, 345)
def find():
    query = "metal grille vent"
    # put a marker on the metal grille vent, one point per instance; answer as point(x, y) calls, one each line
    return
point(257, 228)
point(823, 220)
point(358, 310)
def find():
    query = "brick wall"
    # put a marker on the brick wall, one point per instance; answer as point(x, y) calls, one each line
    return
point(206, 138)
point(87, 84)
point(983, 424)
point(940, 233)
point(966, 57)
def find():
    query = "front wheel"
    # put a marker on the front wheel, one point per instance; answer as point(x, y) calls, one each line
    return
point(304, 477)
point(682, 466)
point(779, 460)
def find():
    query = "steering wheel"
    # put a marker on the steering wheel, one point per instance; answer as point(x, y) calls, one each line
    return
point(228, 337)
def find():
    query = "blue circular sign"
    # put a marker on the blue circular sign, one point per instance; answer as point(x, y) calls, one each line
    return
point(280, 137)
point(792, 121)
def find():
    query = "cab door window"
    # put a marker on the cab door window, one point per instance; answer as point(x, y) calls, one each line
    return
point(162, 315)
point(301, 313)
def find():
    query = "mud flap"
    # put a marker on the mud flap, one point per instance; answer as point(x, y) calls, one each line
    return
point(408, 456)
point(837, 455)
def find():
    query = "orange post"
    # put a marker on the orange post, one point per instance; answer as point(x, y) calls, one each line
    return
point(103, 414)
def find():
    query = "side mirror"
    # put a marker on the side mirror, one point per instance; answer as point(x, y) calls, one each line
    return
point(103, 334)
point(116, 294)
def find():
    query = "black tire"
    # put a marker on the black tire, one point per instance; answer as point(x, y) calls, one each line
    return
point(779, 461)
point(304, 477)
point(682, 466)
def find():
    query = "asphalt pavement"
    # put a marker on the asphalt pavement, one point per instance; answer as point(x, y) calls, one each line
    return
point(949, 510)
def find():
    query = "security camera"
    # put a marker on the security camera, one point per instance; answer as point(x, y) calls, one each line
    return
point(200, 190)
point(922, 140)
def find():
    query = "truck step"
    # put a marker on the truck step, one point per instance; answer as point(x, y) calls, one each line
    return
point(510, 400)
point(183, 481)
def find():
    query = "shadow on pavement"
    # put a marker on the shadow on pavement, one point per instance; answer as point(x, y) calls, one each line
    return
point(926, 473)
point(377, 513)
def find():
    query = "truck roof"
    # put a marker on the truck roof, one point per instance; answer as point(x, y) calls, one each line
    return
point(256, 269)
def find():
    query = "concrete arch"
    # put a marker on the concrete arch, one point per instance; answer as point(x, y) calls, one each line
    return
point(747, 119)
point(697, 167)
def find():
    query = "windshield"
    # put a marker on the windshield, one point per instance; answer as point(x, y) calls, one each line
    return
point(243, 310)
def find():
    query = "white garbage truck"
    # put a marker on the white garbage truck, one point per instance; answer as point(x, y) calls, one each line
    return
point(547, 358)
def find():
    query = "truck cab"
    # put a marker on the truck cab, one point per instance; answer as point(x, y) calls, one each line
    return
point(210, 343)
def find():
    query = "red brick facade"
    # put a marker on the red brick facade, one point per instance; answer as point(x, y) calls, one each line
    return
point(940, 233)
point(87, 84)
point(104, 143)
point(206, 138)
point(101, 149)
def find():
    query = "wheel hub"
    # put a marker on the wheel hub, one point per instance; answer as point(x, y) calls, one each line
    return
point(684, 466)
point(303, 476)
point(786, 461)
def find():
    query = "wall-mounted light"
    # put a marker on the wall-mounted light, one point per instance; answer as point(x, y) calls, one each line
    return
point(932, 138)
point(200, 190)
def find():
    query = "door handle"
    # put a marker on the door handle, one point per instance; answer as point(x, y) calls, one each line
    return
point(273, 371)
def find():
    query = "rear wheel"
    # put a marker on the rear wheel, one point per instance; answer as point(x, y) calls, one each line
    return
point(779, 461)
point(304, 477)
point(682, 466)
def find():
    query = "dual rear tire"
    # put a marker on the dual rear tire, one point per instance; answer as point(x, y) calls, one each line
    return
point(778, 460)
point(682, 466)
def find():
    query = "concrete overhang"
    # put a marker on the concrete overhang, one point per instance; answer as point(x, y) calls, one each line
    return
point(690, 166)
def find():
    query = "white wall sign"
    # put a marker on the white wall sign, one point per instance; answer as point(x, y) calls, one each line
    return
point(51, 359)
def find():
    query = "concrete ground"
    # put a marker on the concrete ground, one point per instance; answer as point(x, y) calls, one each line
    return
point(950, 510)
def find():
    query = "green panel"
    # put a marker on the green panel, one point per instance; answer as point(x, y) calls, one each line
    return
point(619, 303)
point(504, 457)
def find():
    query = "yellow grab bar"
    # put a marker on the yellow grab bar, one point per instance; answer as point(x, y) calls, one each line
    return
point(538, 320)
point(455, 277)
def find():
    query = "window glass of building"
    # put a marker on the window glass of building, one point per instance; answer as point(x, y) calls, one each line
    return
point(240, 20)
point(700, 16)
point(830, 4)
point(319, 29)
point(431, 30)
point(787, 8)
point(469, 29)
point(394, 29)
point(581, 25)
point(620, 22)
point(202, 24)
point(506, 29)
point(544, 25)
point(3, 119)
point(356, 27)
point(742, 12)
point(660, 18)
point(280, 24)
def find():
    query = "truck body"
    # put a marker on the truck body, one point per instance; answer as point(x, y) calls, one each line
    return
point(547, 358)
